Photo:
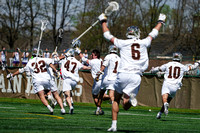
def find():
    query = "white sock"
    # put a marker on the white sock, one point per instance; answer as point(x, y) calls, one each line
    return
point(98, 108)
point(72, 100)
point(114, 123)
point(50, 108)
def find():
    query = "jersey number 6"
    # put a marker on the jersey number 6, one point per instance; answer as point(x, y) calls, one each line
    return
point(135, 53)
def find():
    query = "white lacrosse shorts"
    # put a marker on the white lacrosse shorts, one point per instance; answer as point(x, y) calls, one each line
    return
point(48, 84)
point(107, 84)
point(170, 89)
point(96, 87)
point(69, 84)
point(127, 83)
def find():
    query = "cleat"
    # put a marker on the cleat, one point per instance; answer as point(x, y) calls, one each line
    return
point(101, 112)
point(63, 111)
point(112, 129)
point(166, 106)
point(71, 110)
point(133, 100)
point(96, 112)
point(159, 115)
point(50, 109)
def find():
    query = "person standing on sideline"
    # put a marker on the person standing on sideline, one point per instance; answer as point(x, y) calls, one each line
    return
point(85, 54)
point(173, 75)
point(134, 61)
point(3, 55)
point(25, 56)
point(15, 56)
point(46, 53)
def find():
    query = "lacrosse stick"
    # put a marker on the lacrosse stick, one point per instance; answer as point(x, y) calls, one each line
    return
point(59, 36)
point(113, 6)
point(43, 27)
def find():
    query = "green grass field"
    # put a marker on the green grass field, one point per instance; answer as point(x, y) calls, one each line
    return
point(24, 115)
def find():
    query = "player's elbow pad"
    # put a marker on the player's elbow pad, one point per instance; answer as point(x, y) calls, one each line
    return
point(107, 35)
point(153, 33)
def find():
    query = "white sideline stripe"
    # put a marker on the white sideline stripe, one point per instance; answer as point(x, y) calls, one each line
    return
point(153, 115)
point(8, 107)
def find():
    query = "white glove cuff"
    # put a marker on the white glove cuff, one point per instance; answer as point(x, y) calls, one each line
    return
point(107, 35)
point(21, 70)
point(153, 33)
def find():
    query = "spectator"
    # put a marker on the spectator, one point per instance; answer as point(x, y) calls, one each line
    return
point(46, 53)
point(15, 56)
point(3, 55)
point(25, 56)
point(85, 54)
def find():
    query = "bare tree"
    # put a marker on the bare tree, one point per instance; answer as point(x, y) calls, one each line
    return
point(32, 11)
point(11, 21)
point(59, 14)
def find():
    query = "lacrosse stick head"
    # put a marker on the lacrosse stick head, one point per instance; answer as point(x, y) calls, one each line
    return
point(113, 6)
point(44, 24)
point(60, 32)
point(76, 43)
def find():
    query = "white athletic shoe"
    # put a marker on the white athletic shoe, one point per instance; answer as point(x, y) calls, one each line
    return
point(97, 112)
point(63, 111)
point(159, 115)
point(112, 129)
point(50, 109)
point(133, 100)
point(166, 106)
point(71, 110)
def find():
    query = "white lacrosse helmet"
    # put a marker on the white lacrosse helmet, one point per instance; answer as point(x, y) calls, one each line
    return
point(113, 49)
point(76, 44)
point(69, 52)
point(133, 32)
point(34, 52)
point(177, 57)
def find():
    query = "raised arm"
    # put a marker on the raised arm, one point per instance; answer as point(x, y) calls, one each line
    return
point(106, 32)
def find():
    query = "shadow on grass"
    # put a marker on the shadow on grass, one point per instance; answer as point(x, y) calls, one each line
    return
point(124, 131)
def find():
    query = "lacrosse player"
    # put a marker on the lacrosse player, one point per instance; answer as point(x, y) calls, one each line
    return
point(69, 69)
point(3, 55)
point(41, 78)
point(109, 71)
point(134, 61)
point(95, 64)
point(173, 75)
point(15, 56)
